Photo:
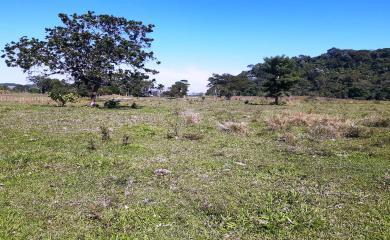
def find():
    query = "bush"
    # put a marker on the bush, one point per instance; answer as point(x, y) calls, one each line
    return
point(134, 105)
point(62, 96)
point(228, 96)
point(112, 103)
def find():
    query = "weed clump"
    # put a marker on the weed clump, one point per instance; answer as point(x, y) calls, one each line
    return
point(105, 133)
point(125, 140)
point(233, 127)
point(175, 125)
point(91, 145)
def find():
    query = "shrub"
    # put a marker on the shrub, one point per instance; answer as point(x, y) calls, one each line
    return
point(112, 103)
point(62, 96)
point(134, 105)
point(228, 96)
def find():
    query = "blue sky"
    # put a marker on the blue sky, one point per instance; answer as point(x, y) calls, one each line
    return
point(194, 39)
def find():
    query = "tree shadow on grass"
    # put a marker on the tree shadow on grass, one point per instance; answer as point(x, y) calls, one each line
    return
point(121, 108)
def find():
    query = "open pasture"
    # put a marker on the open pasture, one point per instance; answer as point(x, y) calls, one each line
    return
point(195, 169)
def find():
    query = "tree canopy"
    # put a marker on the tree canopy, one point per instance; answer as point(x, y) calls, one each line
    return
point(178, 89)
point(93, 50)
point(229, 85)
point(278, 75)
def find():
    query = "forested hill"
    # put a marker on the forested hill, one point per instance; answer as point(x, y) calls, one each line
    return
point(345, 74)
point(359, 74)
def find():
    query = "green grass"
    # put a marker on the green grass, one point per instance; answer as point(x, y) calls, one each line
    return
point(223, 185)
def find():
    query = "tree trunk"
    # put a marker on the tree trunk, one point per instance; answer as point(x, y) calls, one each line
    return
point(93, 99)
point(276, 100)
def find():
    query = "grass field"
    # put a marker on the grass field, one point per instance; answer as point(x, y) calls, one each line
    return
point(195, 169)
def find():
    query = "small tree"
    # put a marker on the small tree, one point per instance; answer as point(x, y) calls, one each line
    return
point(278, 74)
point(62, 96)
point(92, 50)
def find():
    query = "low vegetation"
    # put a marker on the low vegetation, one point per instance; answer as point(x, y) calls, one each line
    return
point(195, 169)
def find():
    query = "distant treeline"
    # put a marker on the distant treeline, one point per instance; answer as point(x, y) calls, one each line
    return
point(361, 74)
point(14, 87)
point(136, 87)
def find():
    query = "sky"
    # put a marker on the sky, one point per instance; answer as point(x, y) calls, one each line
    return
point(194, 39)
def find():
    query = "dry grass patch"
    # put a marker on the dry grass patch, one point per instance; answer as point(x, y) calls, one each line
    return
point(320, 126)
point(233, 127)
point(376, 121)
point(192, 136)
point(288, 138)
point(191, 118)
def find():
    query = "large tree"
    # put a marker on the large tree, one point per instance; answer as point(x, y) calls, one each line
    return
point(279, 75)
point(90, 49)
point(178, 89)
point(229, 85)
